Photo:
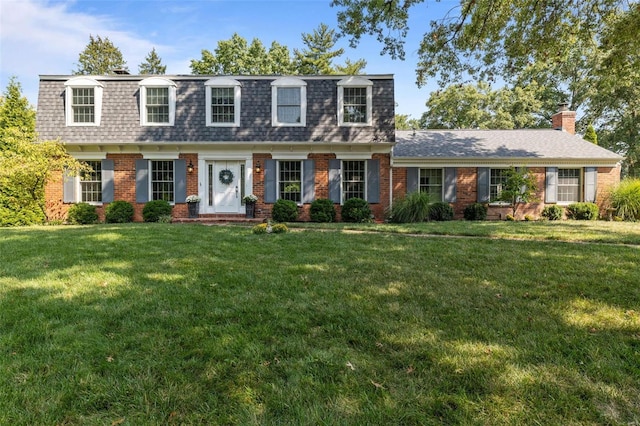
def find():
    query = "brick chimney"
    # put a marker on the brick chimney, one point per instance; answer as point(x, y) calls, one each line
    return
point(564, 119)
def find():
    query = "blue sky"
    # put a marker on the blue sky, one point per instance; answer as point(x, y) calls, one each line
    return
point(46, 37)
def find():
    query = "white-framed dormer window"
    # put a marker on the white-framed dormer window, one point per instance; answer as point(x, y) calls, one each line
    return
point(223, 102)
point(355, 101)
point(157, 102)
point(289, 102)
point(83, 102)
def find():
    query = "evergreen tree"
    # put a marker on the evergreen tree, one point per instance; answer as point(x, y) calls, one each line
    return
point(100, 57)
point(590, 135)
point(15, 113)
point(318, 55)
point(152, 64)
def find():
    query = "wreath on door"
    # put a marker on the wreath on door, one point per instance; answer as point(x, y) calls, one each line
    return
point(225, 176)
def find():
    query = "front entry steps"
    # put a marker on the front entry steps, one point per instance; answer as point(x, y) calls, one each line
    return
point(218, 219)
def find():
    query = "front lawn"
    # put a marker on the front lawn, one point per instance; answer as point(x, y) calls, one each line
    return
point(189, 324)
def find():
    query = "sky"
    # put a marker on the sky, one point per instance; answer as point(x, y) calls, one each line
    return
point(45, 37)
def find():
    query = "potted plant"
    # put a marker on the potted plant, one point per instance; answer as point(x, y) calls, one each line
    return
point(250, 205)
point(193, 203)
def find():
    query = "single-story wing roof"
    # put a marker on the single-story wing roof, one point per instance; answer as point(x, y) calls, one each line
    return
point(528, 145)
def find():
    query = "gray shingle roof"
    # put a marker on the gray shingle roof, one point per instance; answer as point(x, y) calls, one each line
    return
point(541, 144)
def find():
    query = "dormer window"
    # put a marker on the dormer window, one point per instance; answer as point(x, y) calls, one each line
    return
point(222, 102)
point(289, 102)
point(157, 102)
point(354, 102)
point(83, 102)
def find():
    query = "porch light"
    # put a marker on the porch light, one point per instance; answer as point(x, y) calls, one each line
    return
point(190, 167)
point(258, 167)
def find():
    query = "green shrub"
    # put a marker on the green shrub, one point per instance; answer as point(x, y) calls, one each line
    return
point(410, 209)
point(323, 210)
point(553, 212)
point(82, 214)
point(261, 228)
point(475, 211)
point(440, 211)
point(625, 199)
point(356, 210)
point(154, 209)
point(583, 211)
point(18, 216)
point(284, 211)
point(279, 228)
point(165, 218)
point(528, 218)
point(118, 212)
point(510, 218)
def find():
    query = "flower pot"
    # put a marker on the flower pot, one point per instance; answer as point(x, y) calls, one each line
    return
point(193, 209)
point(250, 210)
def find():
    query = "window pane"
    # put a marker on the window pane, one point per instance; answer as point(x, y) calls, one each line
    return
point(498, 177)
point(568, 185)
point(355, 104)
point(289, 109)
point(431, 182)
point(157, 104)
point(83, 105)
point(353, 179)
point(290, 180)
point(162, 180)
point(222, 105)
point(91, 183)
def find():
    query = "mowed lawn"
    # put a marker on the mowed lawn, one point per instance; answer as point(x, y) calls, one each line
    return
point(189, 324)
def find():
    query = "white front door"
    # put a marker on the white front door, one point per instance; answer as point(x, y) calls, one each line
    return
point(224, 186)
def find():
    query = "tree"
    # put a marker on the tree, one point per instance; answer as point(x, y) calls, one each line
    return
point(318, 55)
point(480, 107)
point(351, 68)
point(403, 122)
point(15, 113)
point(152, 64)
point(590, 135)
point(518, 187)
point(100, 57)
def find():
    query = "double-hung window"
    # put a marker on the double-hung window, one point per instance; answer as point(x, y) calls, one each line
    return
point(431, 183)
point(162, 180)
point(222, 102)
point(91, 183)
point(355, 102)
point(157, 102)
point(568, 185)
point(353, 179)
point(290, 180)
point(289, 102)
point(497, 180)
point(83, 102)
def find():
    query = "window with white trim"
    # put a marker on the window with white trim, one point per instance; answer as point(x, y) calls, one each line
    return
point(354, 102)
point(290, 180)
point(353, 179)
point(162, 180)
point(497, 179)
point(289, 102)
point(431, 183)
point(83, 102)
point(91, 183)
point(157, 102)
point(568, 185)
point(223, 102)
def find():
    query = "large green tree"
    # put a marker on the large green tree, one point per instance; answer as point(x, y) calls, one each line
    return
point(319, 53)
point(15, 113)
point(152, 64)
point(100, 57)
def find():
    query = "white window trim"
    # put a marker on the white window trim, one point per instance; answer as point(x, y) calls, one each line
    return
point(301, 179)
point(83, 82)
point(342, 169)
point(355, 81)
point(580, 186)
point(496, 202)
point(288, 82)
point(442, 183)
point(150, 183)
point(221, 82)
point(78, 186)
point(160, 83)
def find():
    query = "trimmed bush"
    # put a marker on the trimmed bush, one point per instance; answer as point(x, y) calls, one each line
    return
point(260, 228)
point(323, 210)
point(475, 211)
point(410, 209)
point(625, 199)
point(356, 210)
point(279, 228)
point(154, 209)
point(267, 228)
point(82, 214)
point(528, 218)
point(583, 211)
point(440, 212)
point(553, 212)
point(284, 211)
point(118, 212)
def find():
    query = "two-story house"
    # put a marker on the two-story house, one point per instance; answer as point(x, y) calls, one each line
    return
point(167, 137)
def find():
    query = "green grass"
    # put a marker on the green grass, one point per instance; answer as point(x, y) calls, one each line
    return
point(187, 324)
